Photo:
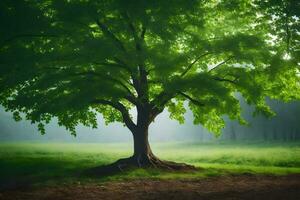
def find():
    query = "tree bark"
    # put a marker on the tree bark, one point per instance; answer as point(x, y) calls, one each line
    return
point(143, 156)
point(141, 144)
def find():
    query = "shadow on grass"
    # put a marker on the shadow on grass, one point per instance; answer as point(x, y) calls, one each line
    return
point(23, 173)
point(103, 170)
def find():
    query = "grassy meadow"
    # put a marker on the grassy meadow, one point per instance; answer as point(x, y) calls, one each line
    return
point(60, 163)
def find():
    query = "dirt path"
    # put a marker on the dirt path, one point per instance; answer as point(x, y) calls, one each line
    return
point(225, 187)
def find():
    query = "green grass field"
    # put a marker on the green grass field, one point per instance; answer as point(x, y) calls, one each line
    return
point(58, 163)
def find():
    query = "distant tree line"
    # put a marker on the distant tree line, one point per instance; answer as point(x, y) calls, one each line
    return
point(284, 126)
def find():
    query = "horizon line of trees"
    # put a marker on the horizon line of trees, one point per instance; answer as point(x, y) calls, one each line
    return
point(284, 126)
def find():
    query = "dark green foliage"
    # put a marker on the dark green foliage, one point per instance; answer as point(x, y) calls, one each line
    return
point(70, 59)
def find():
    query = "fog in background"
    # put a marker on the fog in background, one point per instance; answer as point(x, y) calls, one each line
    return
point(285, 126)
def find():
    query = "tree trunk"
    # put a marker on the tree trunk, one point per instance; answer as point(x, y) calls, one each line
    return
point(142, 155)
point(142, 150)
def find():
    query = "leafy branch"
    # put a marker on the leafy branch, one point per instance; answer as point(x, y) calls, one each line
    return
point(121, 108)
point(191, 65)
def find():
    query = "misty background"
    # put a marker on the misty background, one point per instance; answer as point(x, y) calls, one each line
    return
point(284, 126)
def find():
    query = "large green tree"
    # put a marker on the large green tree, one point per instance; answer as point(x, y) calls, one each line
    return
point(72, 59)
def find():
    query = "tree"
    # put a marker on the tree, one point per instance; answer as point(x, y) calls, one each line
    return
point(71, 59)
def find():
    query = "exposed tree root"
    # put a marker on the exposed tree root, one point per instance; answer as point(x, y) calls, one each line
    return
point(150, 161)
point(140, 161)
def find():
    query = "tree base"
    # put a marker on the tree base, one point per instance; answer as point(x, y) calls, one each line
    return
point(149, 161)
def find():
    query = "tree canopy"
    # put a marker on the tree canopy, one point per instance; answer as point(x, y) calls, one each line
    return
point(72, 59)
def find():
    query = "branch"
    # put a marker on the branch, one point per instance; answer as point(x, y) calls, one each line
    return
point(221, 63)
point(162, 99)
point(191, 65)
point(107, 32)
point(225, 80)
point(194, 101)
point(131, 98)
point(121, 108)
point(133, 31)
point(122, 63)
point(122, 66)
point(143, 31)
point(159, 102)
point(104, 76)
point(141, 84)
point(134, 78)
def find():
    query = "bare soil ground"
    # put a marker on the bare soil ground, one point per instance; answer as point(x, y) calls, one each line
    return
point(223, 187)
